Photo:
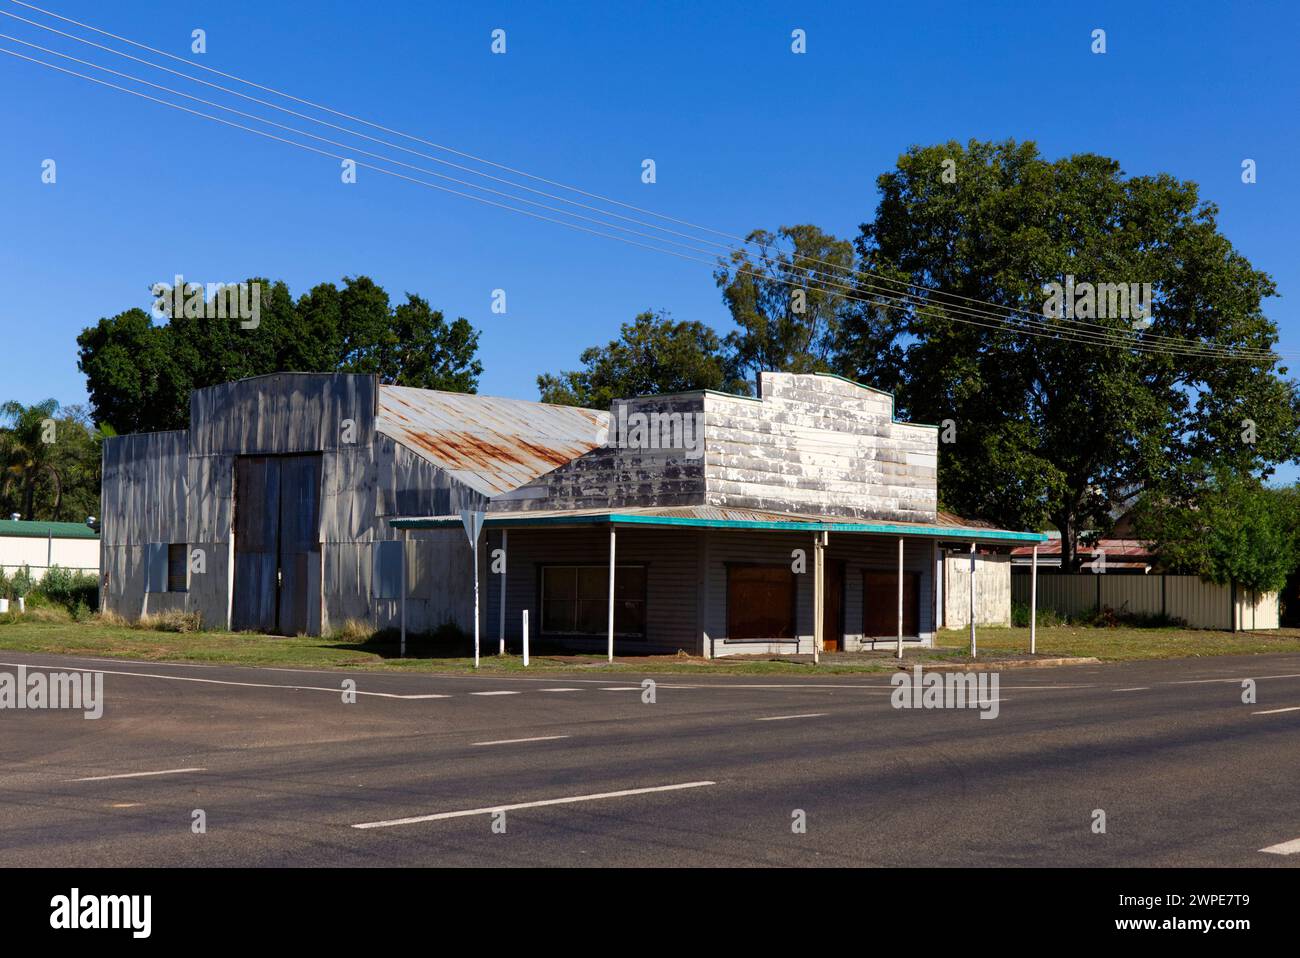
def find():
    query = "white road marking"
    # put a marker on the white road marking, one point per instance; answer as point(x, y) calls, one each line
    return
point(465, 813)
point(561, 690)
point(1293, 675)
point(166, 771)
point(1293, 708)
point(493, 693)
point(249, 685)
point(516, 741)
point(782, 718)
point(620, 688)
point(1137, 688)
point(1285, 848)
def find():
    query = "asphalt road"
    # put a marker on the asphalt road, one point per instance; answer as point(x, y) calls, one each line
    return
point(711, 773)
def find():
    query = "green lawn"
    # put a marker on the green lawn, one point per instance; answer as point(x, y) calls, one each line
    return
point(95, 638)
point(1123, 644)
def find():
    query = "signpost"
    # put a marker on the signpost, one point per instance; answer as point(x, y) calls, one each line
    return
point(473, 522)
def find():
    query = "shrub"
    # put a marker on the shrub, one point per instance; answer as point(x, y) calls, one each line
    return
point(69, 588)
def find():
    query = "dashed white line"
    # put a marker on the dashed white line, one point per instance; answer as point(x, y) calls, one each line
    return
point(516, 741)
point(487, 810)
point(1285, 848)
point(561, 690)
point(620, 688)
point(782, 718)
point(166, 771)
point(493, 693)
point(1137, 688)
point(1293, 708)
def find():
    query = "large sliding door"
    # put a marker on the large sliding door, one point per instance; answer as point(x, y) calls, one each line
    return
point(277, 545)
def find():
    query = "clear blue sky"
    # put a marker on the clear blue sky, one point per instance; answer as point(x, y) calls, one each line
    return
point(745, 134)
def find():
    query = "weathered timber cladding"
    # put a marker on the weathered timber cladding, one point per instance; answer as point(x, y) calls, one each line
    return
point(629, 469)
point(858, 553)
point(819, 444)
point(992, 590)
point(668, 556)
point(812, 444)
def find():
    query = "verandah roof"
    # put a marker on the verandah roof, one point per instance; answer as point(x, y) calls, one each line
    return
point(724, 517)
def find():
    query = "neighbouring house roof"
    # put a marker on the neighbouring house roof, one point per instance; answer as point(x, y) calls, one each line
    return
point(490, 444)
point(947, 526)
point(43, 530)
point(1114, 548)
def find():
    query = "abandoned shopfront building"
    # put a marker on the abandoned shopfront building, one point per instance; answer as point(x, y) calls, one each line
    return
point(296, 502)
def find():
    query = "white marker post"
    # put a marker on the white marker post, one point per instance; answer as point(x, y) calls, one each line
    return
point(473, 522)
point(525, 638)
point(501, 613)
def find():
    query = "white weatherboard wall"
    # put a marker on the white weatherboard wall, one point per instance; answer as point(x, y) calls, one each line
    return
point(819, 444)
point(812, 444)
point(38, 553)
point(1199, 603)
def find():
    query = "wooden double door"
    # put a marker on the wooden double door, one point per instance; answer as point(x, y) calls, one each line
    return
point(277, 544)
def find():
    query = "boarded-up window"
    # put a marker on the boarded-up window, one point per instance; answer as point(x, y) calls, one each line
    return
point(760, 602)
point(178, 579)
point(880, 603)
point(155, 567)
point(387, 582)
point(575, 600)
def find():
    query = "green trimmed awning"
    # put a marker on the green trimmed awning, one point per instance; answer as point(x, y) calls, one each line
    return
point(715, 517)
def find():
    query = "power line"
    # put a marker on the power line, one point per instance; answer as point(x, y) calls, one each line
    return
point(1176, 344)
point(994, 323)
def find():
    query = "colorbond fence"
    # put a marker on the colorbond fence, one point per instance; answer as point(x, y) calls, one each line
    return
point(1201, 604)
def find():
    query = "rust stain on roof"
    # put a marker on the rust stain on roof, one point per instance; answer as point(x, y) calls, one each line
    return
point(491, 444)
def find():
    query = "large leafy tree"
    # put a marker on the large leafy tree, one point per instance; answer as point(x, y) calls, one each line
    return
point(139, 373)
point(654, 354)
point(788, 303)
point(1048, 429)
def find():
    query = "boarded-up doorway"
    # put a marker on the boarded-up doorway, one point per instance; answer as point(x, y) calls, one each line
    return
point(880, 603)
point(833, 610)
point(277, 544)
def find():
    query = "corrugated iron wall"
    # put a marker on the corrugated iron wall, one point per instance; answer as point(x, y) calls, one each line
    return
point(178, 487)
point(1200, 603)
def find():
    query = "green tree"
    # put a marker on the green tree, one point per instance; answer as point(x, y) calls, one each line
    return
point(654, 354)
point(1050, 430)
point(49, 462)
point(1233, 530)
point(139, 374)
point(788, 304)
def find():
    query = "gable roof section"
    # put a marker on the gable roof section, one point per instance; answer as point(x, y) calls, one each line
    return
point(490, 444)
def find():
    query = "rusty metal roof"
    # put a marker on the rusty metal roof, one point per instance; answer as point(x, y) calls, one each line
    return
point(488, 443)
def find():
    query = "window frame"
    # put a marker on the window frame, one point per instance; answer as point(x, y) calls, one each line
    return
point(544, 632)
